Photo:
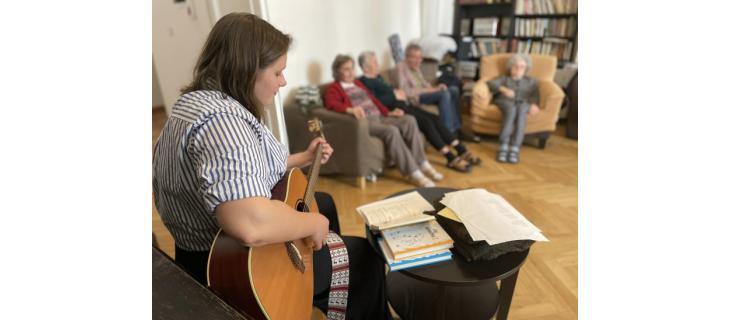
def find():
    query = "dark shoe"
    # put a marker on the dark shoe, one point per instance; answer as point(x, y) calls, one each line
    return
point(459, 164)
point(514, 157)
point(471, 158)
point(466, 136)
point(502, 156)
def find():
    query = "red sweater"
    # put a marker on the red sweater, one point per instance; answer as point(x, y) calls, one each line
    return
point(336, 99)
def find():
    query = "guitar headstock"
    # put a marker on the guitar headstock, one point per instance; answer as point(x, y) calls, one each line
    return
point(315, 127)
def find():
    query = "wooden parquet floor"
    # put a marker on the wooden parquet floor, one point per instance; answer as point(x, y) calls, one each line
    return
point(543, 187)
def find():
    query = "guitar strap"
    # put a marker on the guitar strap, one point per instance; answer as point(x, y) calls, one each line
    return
point(337, 304)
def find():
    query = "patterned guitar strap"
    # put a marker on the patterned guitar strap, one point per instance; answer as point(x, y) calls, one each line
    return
point(337, 305)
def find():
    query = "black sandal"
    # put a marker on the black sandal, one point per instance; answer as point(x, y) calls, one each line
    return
point(471, 158)
point(459, 164)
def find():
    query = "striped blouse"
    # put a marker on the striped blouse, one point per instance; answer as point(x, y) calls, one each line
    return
point(211, 150)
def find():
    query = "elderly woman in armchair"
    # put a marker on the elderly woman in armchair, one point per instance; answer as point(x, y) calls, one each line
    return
point(516, 95)
point(398, 131)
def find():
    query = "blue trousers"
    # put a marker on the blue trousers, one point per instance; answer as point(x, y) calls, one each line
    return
point(448, 103)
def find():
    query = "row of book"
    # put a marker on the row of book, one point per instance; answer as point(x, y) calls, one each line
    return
point(561, 48)
point(525, 7)
point(489, 26)
point(467, 2)
point(483, 47)
point(545, 27)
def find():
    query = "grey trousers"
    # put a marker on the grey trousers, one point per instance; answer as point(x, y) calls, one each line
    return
point(514, 117)
point(403, 142)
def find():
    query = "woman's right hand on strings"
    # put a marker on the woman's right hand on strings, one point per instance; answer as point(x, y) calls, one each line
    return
point(357, 112)
point(321, 229)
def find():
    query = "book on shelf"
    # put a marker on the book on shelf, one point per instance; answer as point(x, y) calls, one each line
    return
point(395, 265)
point(465, 27)
point(528, 7)
point(468, 69)
point(485, 26)
point(468, 2)
point(396, 211)
point(545, 27)
point(504, 26)
point(417, 240)
point(560, 48)
point(489, 46)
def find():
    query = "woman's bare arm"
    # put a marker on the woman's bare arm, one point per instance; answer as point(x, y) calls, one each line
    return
point(259, 221)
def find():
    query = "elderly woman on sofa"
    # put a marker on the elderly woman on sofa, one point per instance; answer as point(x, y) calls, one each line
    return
point(436, 132)
point(398, 131)
point(516, 95)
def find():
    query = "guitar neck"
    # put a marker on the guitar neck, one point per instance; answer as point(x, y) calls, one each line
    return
point(312, 176)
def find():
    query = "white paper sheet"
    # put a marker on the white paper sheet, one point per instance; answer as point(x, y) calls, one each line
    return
point(490, 217)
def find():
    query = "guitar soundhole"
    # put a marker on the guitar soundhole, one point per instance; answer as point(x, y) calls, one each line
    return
point(302, 207)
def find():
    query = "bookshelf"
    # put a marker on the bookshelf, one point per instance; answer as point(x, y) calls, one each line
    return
point(484, 27)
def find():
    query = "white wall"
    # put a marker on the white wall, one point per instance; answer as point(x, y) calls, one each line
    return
point(437, 17)
point(323, 28)
point(156, 91)
point(178, 33)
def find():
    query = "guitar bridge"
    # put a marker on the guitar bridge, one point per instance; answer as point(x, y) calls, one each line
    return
point(295, 256)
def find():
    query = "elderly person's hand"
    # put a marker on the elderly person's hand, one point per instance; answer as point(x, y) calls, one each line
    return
point(396, 113)
point(509, 93)
point(433, 89)
point(534, 109)
point(400, 94)
point(357, 112)
point(442, 86)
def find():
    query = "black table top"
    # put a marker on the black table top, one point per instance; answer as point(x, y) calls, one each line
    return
point(458, 271)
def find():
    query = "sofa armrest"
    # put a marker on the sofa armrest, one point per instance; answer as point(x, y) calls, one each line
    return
point(481, 96)
point(551, 97)
point(354, 154)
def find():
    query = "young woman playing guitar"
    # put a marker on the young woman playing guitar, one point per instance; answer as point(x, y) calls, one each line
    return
point(215, 164)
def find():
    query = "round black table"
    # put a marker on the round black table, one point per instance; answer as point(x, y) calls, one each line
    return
point(454, 289)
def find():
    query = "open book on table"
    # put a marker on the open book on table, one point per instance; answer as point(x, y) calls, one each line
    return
point(396, 211)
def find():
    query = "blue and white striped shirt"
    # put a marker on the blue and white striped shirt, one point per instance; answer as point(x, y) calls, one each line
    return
point(211, 150)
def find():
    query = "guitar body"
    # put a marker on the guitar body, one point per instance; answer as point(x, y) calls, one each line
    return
point(263, 282)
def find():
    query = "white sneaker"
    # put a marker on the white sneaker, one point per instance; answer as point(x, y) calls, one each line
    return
point(431, 172)
point(420, 180)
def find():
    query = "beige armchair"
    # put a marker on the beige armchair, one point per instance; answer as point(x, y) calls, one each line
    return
point(486, 118)
point(357, 153)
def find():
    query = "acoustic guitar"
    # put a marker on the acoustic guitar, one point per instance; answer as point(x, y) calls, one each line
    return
point(274, 281)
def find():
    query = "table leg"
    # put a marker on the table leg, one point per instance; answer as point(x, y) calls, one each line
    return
point(506, 291)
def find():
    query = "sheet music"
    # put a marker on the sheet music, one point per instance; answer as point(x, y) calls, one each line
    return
point(402, 207)
point(490, 217)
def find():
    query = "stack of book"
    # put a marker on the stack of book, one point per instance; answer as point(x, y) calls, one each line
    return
point(408, 237)
point(415, 245)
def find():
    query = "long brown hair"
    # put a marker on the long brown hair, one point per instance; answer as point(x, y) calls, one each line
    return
point(238, 47)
